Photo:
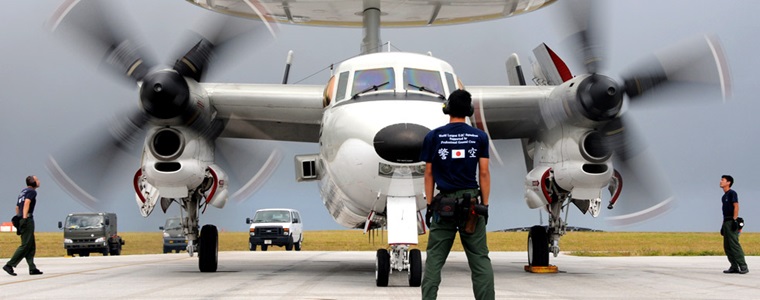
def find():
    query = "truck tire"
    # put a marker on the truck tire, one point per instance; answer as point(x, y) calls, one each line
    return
point(289, 244)
point(251, 246)
point(264, 247)
point(69, 252)
point(298, 245)
point(105, 250)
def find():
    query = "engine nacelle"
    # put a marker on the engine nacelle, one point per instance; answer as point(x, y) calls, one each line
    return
point(175, 160)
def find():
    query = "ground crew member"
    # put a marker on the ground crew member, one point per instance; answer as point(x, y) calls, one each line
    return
point(456, 157)
point(730, 228)
point(27, 200)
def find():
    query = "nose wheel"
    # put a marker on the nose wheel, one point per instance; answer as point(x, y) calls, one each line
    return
point(399, 258)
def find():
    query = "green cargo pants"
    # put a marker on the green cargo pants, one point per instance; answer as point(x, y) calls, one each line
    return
point(440, 240)
point(28, 248)
point(731, 245)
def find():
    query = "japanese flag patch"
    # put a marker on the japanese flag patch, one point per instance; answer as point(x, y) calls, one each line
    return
point(457, 153)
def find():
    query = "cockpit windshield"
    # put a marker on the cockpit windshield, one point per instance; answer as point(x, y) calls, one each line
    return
point(415, 79)
point(366, 79)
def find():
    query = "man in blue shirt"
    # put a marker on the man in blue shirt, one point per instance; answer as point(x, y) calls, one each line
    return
point(730, 228)
point(27, 200)
point(456, 157)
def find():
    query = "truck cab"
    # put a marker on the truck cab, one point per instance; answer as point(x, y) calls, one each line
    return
point(84, 233)
point(275, 227)
point(174, 237)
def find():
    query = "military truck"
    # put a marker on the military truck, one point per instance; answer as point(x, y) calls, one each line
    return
point(174, 237)
point(275, 227)
point(85, 233)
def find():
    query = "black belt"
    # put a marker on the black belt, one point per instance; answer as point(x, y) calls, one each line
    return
point(474, 192)
point(728, 219)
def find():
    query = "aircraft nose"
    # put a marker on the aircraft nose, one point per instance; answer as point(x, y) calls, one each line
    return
point(400, 143)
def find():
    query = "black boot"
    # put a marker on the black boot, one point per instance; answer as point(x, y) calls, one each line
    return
point(9, 270)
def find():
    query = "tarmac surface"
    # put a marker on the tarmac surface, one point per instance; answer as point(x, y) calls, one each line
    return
point(350, 275)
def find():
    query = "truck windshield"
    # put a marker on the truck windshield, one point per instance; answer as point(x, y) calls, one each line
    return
point(84, 222)
point(172, 224)
point(274, 216)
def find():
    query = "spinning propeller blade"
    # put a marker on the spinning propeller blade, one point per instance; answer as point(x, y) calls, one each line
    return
point(695, 64)
point(164, 94)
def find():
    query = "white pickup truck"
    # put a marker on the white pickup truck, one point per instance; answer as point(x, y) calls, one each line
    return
point(275, 227)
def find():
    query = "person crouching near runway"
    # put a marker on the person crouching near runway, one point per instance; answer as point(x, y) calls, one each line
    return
point(456, 157)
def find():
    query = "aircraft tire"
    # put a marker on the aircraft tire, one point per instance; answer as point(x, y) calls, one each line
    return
point(382, 267)
point(208, 252)
point(538, 247)
point(415, 267)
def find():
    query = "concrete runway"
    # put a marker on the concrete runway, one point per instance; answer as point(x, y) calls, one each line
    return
point(350, 275)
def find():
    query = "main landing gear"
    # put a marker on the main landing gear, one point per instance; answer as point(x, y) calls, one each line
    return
point(400, 258)
point(205, 242)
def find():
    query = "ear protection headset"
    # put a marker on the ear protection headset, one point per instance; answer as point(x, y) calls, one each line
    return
point(447, 108)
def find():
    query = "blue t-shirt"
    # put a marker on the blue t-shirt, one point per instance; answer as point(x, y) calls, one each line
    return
point(729, 198)
point(27, 193)
point(455, 150)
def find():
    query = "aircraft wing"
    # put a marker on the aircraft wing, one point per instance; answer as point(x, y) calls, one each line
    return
point(509, 112)
point(268, 111)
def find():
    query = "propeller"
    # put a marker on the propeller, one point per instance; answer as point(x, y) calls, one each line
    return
point(165, 97)
point(693, 64)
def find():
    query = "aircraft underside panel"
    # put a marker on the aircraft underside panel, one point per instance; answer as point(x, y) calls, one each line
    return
point(396, 13)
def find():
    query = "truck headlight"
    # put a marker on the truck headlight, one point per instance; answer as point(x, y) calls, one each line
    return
point(100, 240)
point(68, 241)
point(166, 234)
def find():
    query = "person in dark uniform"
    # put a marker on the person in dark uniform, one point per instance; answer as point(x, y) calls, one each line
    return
point(730, 228)
point(456, 157)
point(27, 200)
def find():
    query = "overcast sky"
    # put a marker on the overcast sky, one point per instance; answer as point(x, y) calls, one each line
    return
point(53, 93)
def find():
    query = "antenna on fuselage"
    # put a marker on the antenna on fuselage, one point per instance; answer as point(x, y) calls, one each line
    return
point(288, 61)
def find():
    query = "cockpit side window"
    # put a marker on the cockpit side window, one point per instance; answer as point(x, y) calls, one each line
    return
point(430, 80)
point(451, 83)
point(365, 79)
point(342, 85)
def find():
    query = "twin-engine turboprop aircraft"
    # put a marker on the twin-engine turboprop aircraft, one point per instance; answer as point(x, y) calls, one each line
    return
point(371, 117)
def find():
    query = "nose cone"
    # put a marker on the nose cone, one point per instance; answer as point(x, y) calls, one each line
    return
point(400, 143)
